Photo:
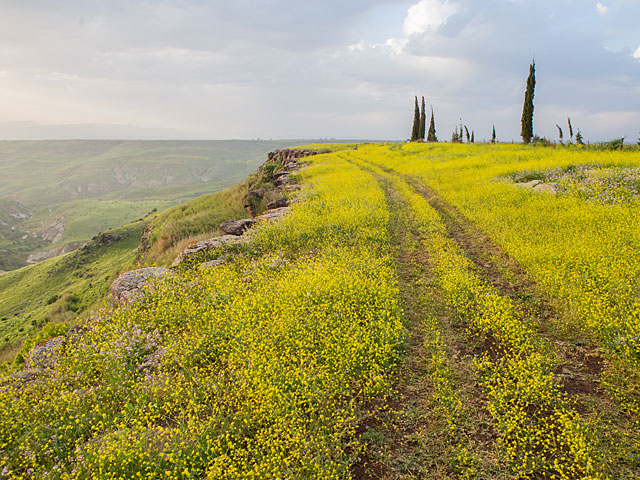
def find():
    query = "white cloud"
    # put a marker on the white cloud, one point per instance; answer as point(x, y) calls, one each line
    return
point(602, 9)
point(636, 54)
point(428, 15)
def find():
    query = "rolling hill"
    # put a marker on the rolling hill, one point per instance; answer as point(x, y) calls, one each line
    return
point(55, 195)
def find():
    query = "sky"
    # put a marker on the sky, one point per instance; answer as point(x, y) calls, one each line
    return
point(218, 69)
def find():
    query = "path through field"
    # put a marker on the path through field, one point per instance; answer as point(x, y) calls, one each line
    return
point(441, 422)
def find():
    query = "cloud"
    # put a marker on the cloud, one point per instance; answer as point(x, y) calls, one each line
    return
point(602, 9)
point(428, 15)
point(636, 54)
point(318, 68)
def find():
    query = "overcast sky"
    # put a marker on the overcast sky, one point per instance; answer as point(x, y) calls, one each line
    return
point(315, 68)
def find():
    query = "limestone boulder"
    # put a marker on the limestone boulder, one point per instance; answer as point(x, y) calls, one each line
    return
point(273, 215)
point(529, 185)
point(131, 285)
point(212, 264)
point(43, 354)
point(236, 227)
point(204, 246)
point(548, 188)
point(279, 203)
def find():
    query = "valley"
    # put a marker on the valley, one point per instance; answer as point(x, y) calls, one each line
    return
point(56, 194)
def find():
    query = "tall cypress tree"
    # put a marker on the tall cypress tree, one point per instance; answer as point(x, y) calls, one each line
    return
point(423, 122)
point(570, 128)
point(431, 136)
point(560, 133)
point(415, 131)
point(467, 133)
point(493, 135)
point(473, 136)
point(527, 109)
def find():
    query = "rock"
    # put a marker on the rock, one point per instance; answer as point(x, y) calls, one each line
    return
point(145, 239)
point(530, 184)
point(152, 361)
point(54, 252)
point(43, 354)
point(287, 155)
point(550, 188)
point(204, 246)
point(279, 203)
point(250, 200)
point(236, 227)
point(279, 174)
point(283, 180)
point(131, 285)
point(53, 230)
point(291, 188)
point(212, 263)
point(18, 379)
point(272, 215)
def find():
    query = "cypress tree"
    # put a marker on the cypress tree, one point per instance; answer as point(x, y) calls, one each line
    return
point(493, 135)
point(473, 137)
point(455, 137)
point(527, 109)
point(423, 122)
point(431, 136)
point(415, 131)
point(559, 133)
point(570, 128)
point(580, 140)
point(467, 133)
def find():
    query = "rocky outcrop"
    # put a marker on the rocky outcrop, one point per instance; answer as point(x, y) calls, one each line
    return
point(101, 240)
point(272, 215)
point(279, 203)
point(132, 284)
point(43, 354)
point(236, 227)
point(550, 188)
point(212, 263)
point(251, 199)
point(282, 180)
point(42, 358)
point(289, 155)
point(530, 184)
point(539, 186)
point(204, 246)
point(54, 252)
point(53, 230)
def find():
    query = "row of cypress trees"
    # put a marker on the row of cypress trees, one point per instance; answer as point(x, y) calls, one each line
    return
point(419, 130)
point(419, 118)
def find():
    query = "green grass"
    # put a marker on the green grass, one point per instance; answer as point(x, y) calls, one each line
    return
point(64, 289)
point(59, 289)
point(100, 184)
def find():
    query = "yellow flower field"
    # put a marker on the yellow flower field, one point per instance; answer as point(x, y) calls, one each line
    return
point(278, 363)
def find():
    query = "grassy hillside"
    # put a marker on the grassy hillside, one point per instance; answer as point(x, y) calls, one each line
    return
point(71, 190)
point(424, 311)
point(59, 289)
point(63, 290)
